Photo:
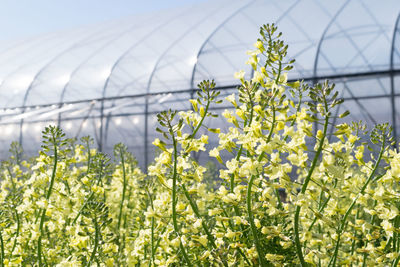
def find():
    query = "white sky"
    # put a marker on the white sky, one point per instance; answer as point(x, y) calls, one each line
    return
point(23, 18)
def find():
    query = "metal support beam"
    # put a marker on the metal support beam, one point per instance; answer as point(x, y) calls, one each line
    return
point(392, 91)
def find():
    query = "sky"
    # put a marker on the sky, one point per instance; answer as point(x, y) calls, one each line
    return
point(25, 18)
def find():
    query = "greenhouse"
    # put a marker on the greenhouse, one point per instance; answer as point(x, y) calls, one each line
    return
point(226, 133)
point(109, 80)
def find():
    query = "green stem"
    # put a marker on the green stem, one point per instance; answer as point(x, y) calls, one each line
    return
point(344, 220)
point(396, 261)
point(202, 118)
point(87, 200)
point(370, 231)
point(96, 241)
point(203, 224)
point(237, 248)
point(280, 206)
point(248, 200)
point(83, 206)
point(232, 180)
point(197, 213)
point(279, 72)
point(174, 197)
point(320, 210)
point(303, 190)
point(123, 187)
point(42, 218)
point(159, 238)
point(2, 250)
point(17, 233)
point(152, 229)
point(353, 243)
point(322, 207)
point(395, 235)
point(396, 239)
point(252, 225)
point(232, 176)
point(89, 157)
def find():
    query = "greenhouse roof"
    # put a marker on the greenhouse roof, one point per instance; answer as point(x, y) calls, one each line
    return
point(174, 50)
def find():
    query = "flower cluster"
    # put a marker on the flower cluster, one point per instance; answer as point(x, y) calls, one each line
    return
point(293, 186)
point(70, 206)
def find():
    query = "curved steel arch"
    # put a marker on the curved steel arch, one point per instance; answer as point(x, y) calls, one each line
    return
point(74, 44)
point(76, 69)
point(166, 51)
point(15, 70)
point(51, 61)
point(392, 97)
point(323, 36)
point(84, 62)
point(123, 55)
point(211, 35)
point(149, 84)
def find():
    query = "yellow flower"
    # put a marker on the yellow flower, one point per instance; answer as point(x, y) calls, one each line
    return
point(258, 45)
point(215, 153)
point(239, 75)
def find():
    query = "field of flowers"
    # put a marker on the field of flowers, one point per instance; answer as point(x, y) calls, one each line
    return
point(288, 195)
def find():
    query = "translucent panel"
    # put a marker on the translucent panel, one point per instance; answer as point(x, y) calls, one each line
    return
point(23, 67)
point(397, 116)
point(358, 45)
point(128, 130)
point(366, 87)
point(9, 133)
point(131, 71)
point(223, 54)
point(31, 135)
point(52, 82)
point(396, 83)
point(395, 51)
point(371, 111)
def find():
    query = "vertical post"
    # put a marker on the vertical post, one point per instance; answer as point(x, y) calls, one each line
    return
point(146, 131)
point(100, 141)
point(392, 93)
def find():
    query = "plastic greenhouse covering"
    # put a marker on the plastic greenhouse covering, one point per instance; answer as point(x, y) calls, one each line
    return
point(109, 80)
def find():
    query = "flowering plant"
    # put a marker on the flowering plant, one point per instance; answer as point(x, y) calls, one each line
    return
point(289, 193)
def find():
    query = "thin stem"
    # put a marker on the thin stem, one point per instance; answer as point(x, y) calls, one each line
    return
point(88, 199)
point(396, 262)
point(203, 117)
point(248, 200)
point(96, 242)
point(123, 187)
point(89, 158)
point(252, 225)
point(232, 176)
point(16, 234)
point(322, 207)
point(344, 220)
point(353, 244)
point(42, 218)
point(197, 213)
point(83, 206)
point(174, 197)
point(237, 248)
point(303, 190)
point(232, 180)
point(203, 224)
point(2, 250)
point(152, 229)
